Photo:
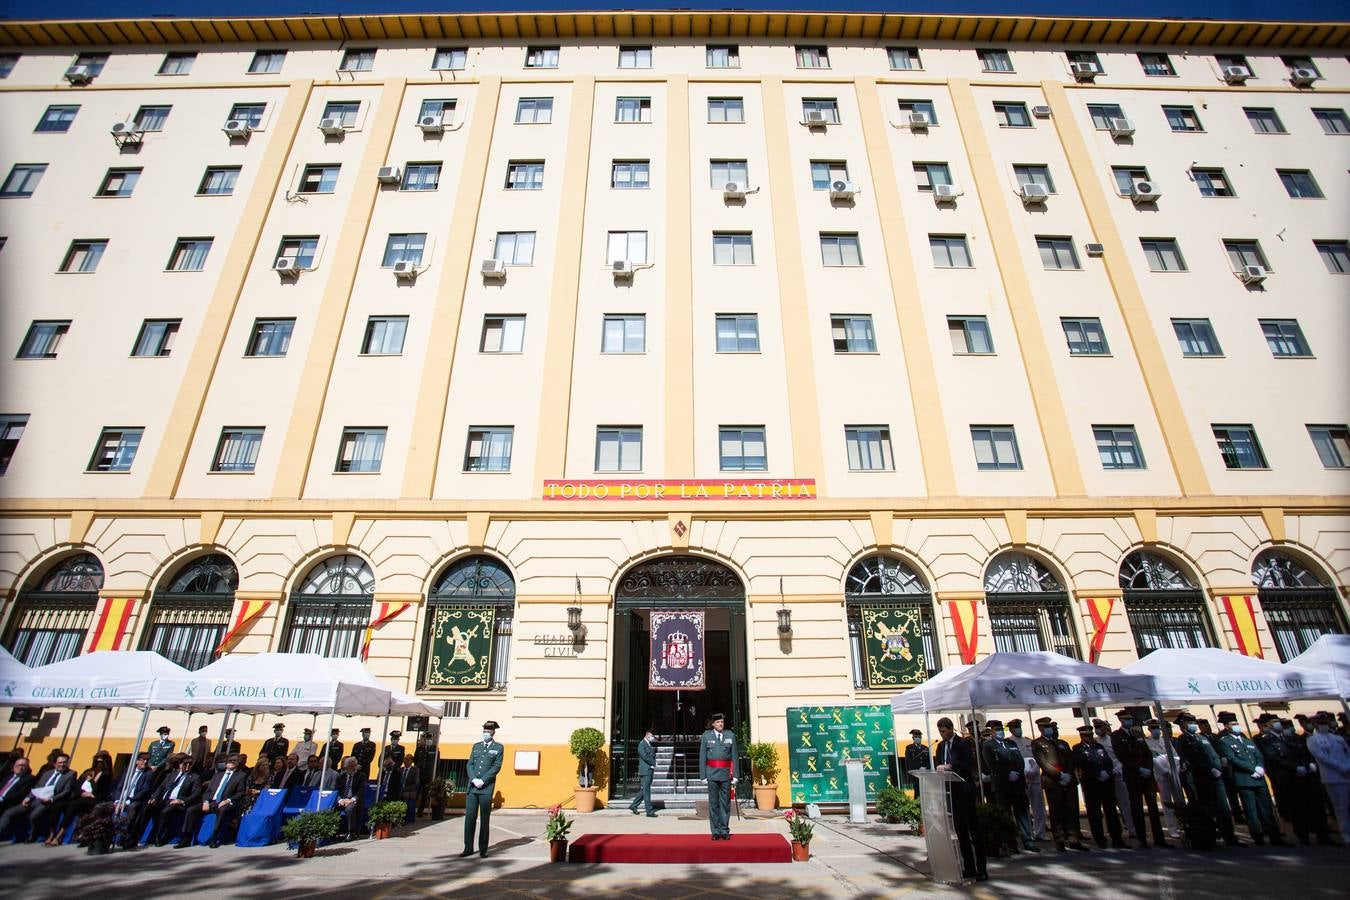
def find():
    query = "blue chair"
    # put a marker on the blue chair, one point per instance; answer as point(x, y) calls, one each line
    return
point(261, 825)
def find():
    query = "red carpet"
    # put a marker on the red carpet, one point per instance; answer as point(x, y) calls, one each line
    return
point(679, 848)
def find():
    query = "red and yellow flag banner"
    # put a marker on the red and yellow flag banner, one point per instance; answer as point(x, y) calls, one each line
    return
point(248, 611)
point(1242, 619)
point(112, 624)
point(965, 619)
point(690, 489)
point(1100, 608)
point(383, 613)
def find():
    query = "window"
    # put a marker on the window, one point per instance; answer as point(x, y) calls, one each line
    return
point(50, 623)
point(156, 337)
point(450, 58)
point(1212, 182)
point(903, 57)
point(726, 109)
point(995, 60)
point(404, 248)
point(189, 255)
point(723, 56)
point(266, 62)
point(116, 450)
point(910, 107)
point(1085, 337)
point(627, 245)
point(929, 174)
point(94, 62)
point(502, 334)
point(825, 172)
point(83, 256)
point(541, 58)
point(177, 63)
point(384, 336)
point(826, 106)
point(624, 334)
point(853, 334)
point(442, 110)
point(251, 113)
point(525, 176)
point(1163, 254)
point(301, 250)
point(1264, 120)
point(151, 118)
point(534, 110)
point(345, 112)
point(970, 335)
point(1156, 65)
point(7, 63)
point(840, 250)
point(514, 248)
point(995, 447)
point(119, 183)
point(1299, 605)
point(737, 333)
point(1011, 115)
point(630, 174)
point(270, 337)
point(330, 613)
point(1284, 337)
point(57, 119)
point(883, 588)
point(237, 450)
point(635, 57)
point(1182, 118)
point(218, 181)
point(187, 621)
point(1085, 58)
point(1127, 177)
point(813, 57)
point(23, 180)
point(11, 430)
point(43, 339)
point(1118, 446)
point(949, 251)
point(1335, 255)
point(732, 248)
point(1057, 252)
point(481, 588)
point(360, 450)
point(1232, 61)
point(741, 448)
point(618, 449)
point(868, 448)
point(421, 177)
point(357, 59)
point(1300, 184)
point(1333, 121)
point(633, 109)
point(1196, 337)
point(1245, 253)
point(1238, 447)
point(1034, 174)
point(1332, 443)
point(489, 449)
point(1103, 113)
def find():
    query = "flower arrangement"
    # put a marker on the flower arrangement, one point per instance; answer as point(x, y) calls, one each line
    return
point(800, 826)
point(557, 824)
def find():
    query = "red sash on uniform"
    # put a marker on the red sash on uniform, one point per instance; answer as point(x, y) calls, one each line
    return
point(720, 763)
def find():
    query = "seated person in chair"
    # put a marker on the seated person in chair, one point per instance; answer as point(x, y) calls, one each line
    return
point(318, 776)
point(14, 788)
point(178, 792)
point(224, 796)
point(139, 786)
point(351, 791)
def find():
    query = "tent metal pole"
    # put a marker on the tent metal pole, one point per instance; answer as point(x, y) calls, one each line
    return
point(107, 716)
point(1174, 771)
point(69, 721)
point(979, 766)
point(379, 781)
point(135, 749)
point(323, 771)
point(18, 738)
point(220, 743)
point(83, 716)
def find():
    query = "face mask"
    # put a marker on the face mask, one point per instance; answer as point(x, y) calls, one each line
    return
point(1192, 727)
point(1235, 728)
point(487, 736)
point(1051, 733)
point(1324, 729)
point(1104, 733)
point(1155, 732)
point(1127, 723)
point(999, 734)
point(1276, 727)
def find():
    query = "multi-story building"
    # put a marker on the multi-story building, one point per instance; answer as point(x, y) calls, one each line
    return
point(339, 334)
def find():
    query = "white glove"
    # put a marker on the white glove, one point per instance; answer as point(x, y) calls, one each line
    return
point(733, 781)
point(1259, 772)
point(1117, 768)
point(1214, 773)
point(1064, 778)
point(985, 778)
point(1312, 767)
point(478, 782)
point(1145, 773)
point(1103, 776)
point(1302, 770)
point(1014, 776)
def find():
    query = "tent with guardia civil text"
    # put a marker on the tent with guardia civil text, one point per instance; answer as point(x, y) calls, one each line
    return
point(273, 683)
point(1330, 654)
point(1210, 675)
point(103, 679)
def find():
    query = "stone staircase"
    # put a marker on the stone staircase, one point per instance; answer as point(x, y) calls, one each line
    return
point(676, 783)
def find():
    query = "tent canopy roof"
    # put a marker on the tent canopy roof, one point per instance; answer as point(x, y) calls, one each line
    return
point(274, 682)
point(102, 679)
point(1210, 675)
point(1330, 653)
point(1026, 680)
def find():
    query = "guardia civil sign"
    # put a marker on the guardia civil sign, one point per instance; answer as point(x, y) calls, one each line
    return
point(821, 738)
point(460, 654)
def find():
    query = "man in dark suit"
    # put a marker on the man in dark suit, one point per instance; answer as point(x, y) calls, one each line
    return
point(956, 754)
point(351, 801)
point(485, 761)
point(178, 793)
point(138, 784)
point(18, 781)
point(200, 750)
point(62, 783)
point(390, 784)
point(291, 776)
point(646, 769)
point(718, 765)
point(224, 796)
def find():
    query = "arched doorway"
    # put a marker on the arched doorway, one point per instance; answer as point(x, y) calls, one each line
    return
point(674, 583)
point(52, 617)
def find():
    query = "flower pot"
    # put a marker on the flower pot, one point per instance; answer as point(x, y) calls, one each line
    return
point(800, 852)
point(766, 796)
point(98, 847)
point(383, 830)
point(585, 797)
point(437, 813)
point(307, 849)
point(557, 851)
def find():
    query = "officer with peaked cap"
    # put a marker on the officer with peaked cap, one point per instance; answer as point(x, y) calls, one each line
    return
point(160, 749)
point(277, 746)
point(1094, 768)
point(334, 750)
point(1035, 795)
point(306, 748)
point(1055, 760)
point(1102, 729)
point(917, 758)
point(485, 761)
point(394, 750)
point(1007, 772)
point(1204, 776)
point(364, 751)
point(1164, 763)
point(1136, 763)
point(719, 765)
point(1249, 778)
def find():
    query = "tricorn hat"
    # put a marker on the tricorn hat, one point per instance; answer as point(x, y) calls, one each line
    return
point(1045, 721)
point(490, 725)
point(163, 729)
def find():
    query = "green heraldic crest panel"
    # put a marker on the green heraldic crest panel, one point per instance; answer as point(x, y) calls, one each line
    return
point(822, 738)
point(461, 647)
point(893, 640)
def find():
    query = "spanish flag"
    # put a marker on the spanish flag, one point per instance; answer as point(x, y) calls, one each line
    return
point(383, 613)
point(112, 624)
point(965, 619)
point(248, 611)
point(1242, 619)
point(1100, 608)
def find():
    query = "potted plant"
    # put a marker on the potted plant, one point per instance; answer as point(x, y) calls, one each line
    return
point(439, 793)
point(556, 827)
point(997, 829)
point(764, 769)
point(897, 807)
point(307, 829)
point(99, 829)
point(800, 828)
point(585, 745)
point(385, 815)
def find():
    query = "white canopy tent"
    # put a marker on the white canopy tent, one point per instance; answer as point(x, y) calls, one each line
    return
point(9, 664)
point(1330, 653)
point(103, 680)
point(273, 683)
point(1209, 675)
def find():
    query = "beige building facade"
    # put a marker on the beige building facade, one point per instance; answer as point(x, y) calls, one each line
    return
point(1028, 325)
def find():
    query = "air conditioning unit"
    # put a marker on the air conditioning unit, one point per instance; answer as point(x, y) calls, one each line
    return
point(1302, 77)
point(389, 175)
point(1121, 128)
point(1252, 274)
point(1033, 194)
point(945, 193)
point(405, 269)
point(621, 268)
point(1083, 71)
point(733, 190)
point(332, 125)
point(79, 75)
point(1144, 192)
point(842, 190)
point(431, 124)
point(1236, 74)
point(494, 268)
point(124, 129)
point(237, 128)
point(815, 117)
point(1095, 249)
point(1041, 112)
point(918, 121)
point(286, 267)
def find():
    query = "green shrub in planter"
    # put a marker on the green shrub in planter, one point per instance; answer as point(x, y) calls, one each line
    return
point(311, 827)
point(997, 828)
point(585, 745)
point(763, 762)
point(388, 812)
point(897, 806)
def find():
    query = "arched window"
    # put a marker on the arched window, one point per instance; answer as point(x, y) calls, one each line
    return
point(1028, 608)
point(1163, 604)
point(188, 617)
point(51, 621)
point(1299, 604)
point(330, 609)
point(890, 624)
point(470, 619)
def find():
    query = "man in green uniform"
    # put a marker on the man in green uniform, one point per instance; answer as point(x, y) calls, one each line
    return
point(394, 750)
point(646, 769)
point(1249, 777)
point(1055, 760)
point(1136, 759)
point(1007, 772)
point(717, 764)
point(160, 749)
point(1204, 781)
point(917, 758)
point(485, 761)
point(364, 751)
point(334, 750)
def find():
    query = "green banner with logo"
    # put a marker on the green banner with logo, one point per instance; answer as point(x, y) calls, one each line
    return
point(461, 647)
point(822, 738)
point(893, 641)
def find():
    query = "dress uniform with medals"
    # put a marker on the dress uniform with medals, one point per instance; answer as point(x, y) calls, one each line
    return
point(1249, 776)
point(718, 765)
point(1136, 759)
point(485, 761)
point(1169, 783)
point(1007, 771)
point(334, 750)
point(917, 758)
point(424, 757)
point(1055, 760)
point(395, 750)
point(276, 747)
point(1095, 771)
point(1102, 729)
point(1035, 795)
point(1204, 777)
point(160, 749)
point(364, 751)
point(306, 748)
